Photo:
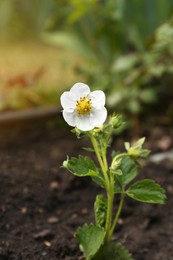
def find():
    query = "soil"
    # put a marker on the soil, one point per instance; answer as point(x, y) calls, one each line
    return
point(41, 204)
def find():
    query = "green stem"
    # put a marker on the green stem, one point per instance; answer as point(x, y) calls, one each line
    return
point(100, 151)
point(117, 214)
point(110, 200)
point(104, 152)
point(110, 192)
point(103, 167)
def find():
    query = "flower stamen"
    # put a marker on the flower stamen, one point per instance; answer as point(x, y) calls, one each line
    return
point(83, 106)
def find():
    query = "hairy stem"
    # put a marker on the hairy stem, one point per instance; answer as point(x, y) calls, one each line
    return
point(117, 214)
point(110, 200)
point(100, 151)
point(99, 157)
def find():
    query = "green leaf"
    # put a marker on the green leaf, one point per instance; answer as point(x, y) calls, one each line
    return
point(125, 62)
point(99, 180)
point(147, 191)
point(84, 166)
point(81, 166)
point(90, 238)
point(100, 209)
point(88, 149)
point(129, 171)
point(112, 251)
point(69, 40)
point(117, 187)
point(148, 95)
point(140, 142)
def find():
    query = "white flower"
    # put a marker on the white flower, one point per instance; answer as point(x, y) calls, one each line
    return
point(82, 108)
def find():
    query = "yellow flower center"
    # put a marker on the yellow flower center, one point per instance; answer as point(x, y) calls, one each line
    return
point(83, 106)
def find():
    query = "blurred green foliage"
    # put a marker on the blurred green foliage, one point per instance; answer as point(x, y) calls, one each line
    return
point(23, 18)
point(128, 46)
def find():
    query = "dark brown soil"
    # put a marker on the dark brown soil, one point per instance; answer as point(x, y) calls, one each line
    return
point(41, 204)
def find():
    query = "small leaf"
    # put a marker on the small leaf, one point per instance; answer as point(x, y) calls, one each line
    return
point(90, 238)
point(140, 142)
point(88, 149)
point(81, 166)
point(84, 166)
point(112, 251)
point(100, 209)
point(118, 172)
point(147, 191)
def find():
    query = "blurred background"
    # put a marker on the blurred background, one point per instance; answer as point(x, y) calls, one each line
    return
point(123, 47)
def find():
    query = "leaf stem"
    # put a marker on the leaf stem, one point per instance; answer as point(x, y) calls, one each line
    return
point(98, 154)
point(117, 214)
point(110, 200)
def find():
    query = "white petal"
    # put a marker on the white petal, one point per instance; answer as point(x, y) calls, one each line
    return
point(83, 123)
point(97, 98)
point(98, 116)
point(68, 101)
point(80, 90)
point(69, 117)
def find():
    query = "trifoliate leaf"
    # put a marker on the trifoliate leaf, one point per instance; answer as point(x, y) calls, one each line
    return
point(91, 238)
point(100, 210)
point(147, 191)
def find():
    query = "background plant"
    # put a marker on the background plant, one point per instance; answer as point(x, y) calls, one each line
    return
point(21, 19)
point(120, 42)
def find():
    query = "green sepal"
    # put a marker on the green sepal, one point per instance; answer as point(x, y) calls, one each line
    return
point(115, 121)
point(100, 210)
point(147, 191)
point(78, 132)
point(91, 238)
point(136, 150)
point(112, 251)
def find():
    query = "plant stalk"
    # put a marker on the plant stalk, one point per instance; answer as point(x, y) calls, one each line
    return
point(109, 181)
point(117, 214)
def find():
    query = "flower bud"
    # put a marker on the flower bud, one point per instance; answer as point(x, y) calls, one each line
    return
point(116, 163)
point(134, 152)
point(115, 121)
